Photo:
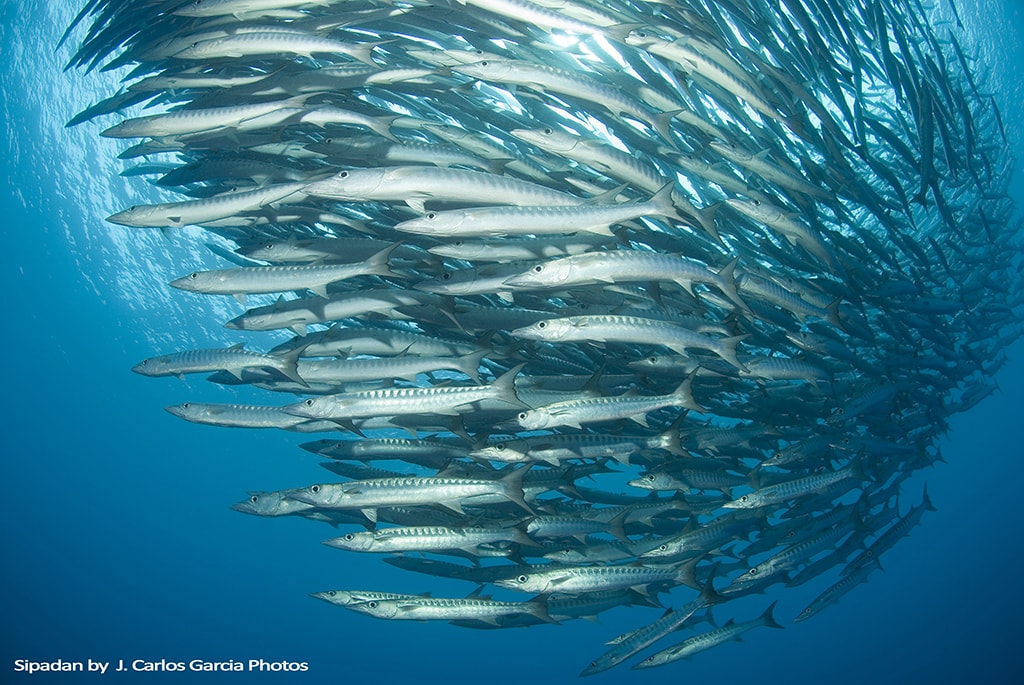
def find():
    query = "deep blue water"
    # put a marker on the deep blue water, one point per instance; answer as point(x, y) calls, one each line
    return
point(117, 538)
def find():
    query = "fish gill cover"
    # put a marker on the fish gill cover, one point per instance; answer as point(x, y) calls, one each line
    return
point(745, 258)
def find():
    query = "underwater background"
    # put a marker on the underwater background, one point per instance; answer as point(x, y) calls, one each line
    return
point(117, 538)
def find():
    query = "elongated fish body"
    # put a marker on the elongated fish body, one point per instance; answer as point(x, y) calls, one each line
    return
point(346, 598)
point(398, 401)
point(575, 413)
point(195, 120)
point(426, 539)
point(297, 314)
point(276, 279)
point(380, 342)
point(407, 367)
point(630, 329)
point(707, 537)
point(728, 632)
point(798, 487)
point(621, 266)
point(343, 249)
point(238, 415)
point(837, 590)
point(448, 492)
point(417, 185)
point(642, 638)
point(389, 448)
point(271, 43)
point(553, 80)
point(574, 580)
point(429, 608)
point(234, 360)
point(194, 212)
point(518, 221)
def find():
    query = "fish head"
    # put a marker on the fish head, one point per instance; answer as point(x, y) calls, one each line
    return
point(338, 597)
point(154, 366)
point(353, 542)
point(547, 329)
point(269, 504)
point(349, 184)
point(525, 583)
point(643, 37)
point(318, 494)
point(500, 452)
point(201, 49)
point(533, 419)
point(748, 501)
point(543, 275)
point(376, 608)
point(190, 411)
point(651, 481)
point(433, 223)
point(665, 549)
point(136, 216)
point(197, 281)
point(487, 69)
point(548, 139)
point(311, 408)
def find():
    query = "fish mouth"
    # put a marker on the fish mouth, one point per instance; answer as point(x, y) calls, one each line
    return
point(178, 410)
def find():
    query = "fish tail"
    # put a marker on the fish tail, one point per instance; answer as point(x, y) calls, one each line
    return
point(727, 351)
point(767, 619)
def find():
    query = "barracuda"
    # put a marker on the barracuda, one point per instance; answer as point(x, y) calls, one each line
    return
point(418, 185)
point(518, 221)
point(631, 329)
point(276, 279)
point(399, 401)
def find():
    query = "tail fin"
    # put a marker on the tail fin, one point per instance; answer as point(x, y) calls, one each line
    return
point(505, 386)
point(767, 619)
point(727, 351)
point(469, 364)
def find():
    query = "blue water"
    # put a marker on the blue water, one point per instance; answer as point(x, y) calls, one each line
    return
point(117, 540)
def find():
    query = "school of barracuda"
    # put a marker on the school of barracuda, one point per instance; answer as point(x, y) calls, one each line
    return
point(746, 255)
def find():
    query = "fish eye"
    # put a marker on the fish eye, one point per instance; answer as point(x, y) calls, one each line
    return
point(254, 499)
point(432, 215)
point(372, 605)
point(522, 416)
point(650, 477)
point(753, 571)
point(349, 537)
point(663, 548)
point(522, 579)
point(537, 269)
point(185, 405)
point(329, 140)
point(484, 63)
point(194, 275)
point(458, 243)
point(133, 208)
point(446, 277)
point(549, 131)
point(144, 362)
point(653, 360)
point(331, 593)
point(542, 324)
point(314, 489)
point(642, 34)
point(194, 44)
point(757, 203)
point(343, 174)
point(500, 447)
point(743, 499)
point(308, 403)
point(268, 246)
